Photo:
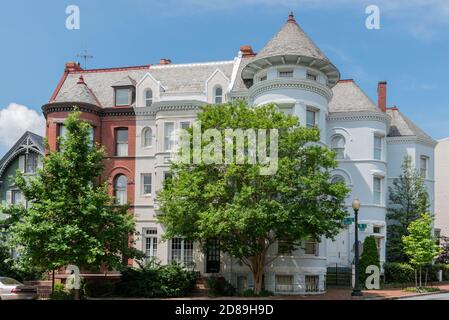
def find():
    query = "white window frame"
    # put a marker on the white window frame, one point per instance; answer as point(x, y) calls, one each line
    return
point(287, 73)
point(378, 150)
point(312, 76)
point(123, 190)
point(424, 172)
point(169, 142)
point(284, 287)
point(316, 283)
point(185, 255)
point(218, 96)
point(148, 101)
point(143, 184)
point(145, 131)
point(121, 143)
point(377, 200)
point(340, 151)
point(315, 117)
point(149, 236)
point(128, 103)
point(35, 163)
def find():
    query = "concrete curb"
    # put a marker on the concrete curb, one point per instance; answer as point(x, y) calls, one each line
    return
point(409, 296)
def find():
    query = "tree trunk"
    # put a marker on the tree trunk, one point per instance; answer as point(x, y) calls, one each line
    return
point(257, 268)
point(420, 277)
point(53, 283)
point(416, 278)
point(425, 282)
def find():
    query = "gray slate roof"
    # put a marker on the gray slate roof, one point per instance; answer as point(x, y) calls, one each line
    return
point(188, 78)
point(403, 126)
point(349, 97)
point(79, 92)
point(181, 78)
point(100, 83)
point(291, 40)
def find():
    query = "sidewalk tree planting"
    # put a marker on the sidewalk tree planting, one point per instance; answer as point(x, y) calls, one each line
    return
point(70, 217)
point(370, 256)
point(248, 212)
point(408, 200)
point(420, 245)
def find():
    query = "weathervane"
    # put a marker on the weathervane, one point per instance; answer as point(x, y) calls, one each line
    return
point(84, 55)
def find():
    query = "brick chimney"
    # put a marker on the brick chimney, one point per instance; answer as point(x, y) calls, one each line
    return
point(247, 51)
point(164, 61)
point(382, 96)
point(73, 66)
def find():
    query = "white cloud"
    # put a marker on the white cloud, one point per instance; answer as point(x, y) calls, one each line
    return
point(15, 120)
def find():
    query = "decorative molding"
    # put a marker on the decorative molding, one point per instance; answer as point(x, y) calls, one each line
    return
point(411, 140)
point(358, 116)
point(289, 83)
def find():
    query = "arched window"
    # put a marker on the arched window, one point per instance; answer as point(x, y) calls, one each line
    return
point(338, 145)
point(120, 189)
point(147, 137)
point(148, 98)
point(218, 95)
point(337, 179)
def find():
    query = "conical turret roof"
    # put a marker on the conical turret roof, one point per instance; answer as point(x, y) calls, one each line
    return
point(291, 45)
point(292, 40)
point(80, 92)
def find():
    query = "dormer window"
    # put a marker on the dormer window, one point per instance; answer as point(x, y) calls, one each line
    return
point(148, 98)
point(123, 96)
point(311, 76)
point(286, 74)
point(263, 78)
point(218, 95)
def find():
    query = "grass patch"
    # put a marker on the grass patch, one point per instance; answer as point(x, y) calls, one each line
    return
point(422, 289)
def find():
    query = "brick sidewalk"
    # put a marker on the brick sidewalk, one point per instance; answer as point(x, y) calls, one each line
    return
point(336, 294)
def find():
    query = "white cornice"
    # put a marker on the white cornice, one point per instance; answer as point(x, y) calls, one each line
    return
point(199, 64)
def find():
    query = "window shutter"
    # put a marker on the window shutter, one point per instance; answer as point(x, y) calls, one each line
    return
point(22, 163)
point(8, 197)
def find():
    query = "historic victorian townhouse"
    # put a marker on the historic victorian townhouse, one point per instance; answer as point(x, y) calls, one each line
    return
point(26, 156)
point(135, 112)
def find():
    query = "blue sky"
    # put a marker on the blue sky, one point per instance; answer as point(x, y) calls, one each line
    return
point(410, 50)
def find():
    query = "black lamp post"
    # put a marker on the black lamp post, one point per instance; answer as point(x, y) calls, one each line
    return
point(356, 292)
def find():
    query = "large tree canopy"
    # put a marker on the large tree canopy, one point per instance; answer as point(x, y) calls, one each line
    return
point(70, 217)
point(248, 212)
point(408, 200)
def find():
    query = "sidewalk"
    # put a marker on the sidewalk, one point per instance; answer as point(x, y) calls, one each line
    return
point(338, 294)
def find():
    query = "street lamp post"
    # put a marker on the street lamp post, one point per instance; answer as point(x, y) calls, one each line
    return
point(356, 292)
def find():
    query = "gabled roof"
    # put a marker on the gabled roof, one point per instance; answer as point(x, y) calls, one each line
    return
point(291, 40)
point(125, 82)
point(349, 97)
point(27, 142)
point(402, 126)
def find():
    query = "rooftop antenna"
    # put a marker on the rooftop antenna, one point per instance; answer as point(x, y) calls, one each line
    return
point(84, 55)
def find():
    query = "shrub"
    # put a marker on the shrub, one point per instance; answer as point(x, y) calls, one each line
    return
point(251, 293)
point(396, 272)
point(370, 256)
point(61, 293)
point(219, 286)
point(99, 289)
point(154, 281)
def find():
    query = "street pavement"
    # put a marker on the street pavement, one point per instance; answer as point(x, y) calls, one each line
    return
point(438, 296)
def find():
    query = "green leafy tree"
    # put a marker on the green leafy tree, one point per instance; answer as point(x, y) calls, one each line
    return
point(420, 244)
point(408, 200)
point(70, 217)
point(248, 212)
point(370, 256)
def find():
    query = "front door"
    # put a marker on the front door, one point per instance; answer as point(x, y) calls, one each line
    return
point(213, 256)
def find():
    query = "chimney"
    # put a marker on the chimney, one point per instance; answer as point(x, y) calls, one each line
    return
point(382, 96)
point(81, 80)
point(247, 51)
point(73, 66)
point(164, 61)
